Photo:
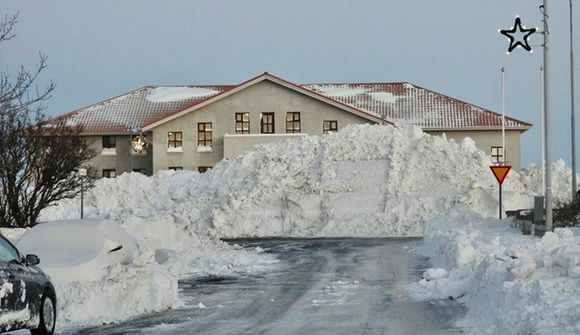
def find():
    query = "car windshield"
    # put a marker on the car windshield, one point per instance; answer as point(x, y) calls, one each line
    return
point(7, 251)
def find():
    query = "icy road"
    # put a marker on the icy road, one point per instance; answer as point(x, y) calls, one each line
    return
point(324, 286)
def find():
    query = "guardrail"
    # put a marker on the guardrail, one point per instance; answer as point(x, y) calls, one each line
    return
point(531, 221)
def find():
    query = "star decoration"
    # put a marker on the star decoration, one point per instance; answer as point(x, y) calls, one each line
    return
point(139, 143)
point(518, 28)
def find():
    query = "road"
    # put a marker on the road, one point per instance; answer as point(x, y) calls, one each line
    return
point(324, 286)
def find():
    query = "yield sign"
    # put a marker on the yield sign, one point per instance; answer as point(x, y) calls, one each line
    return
point(500, 172)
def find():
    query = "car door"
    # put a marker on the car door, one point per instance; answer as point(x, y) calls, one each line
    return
point(12, 301)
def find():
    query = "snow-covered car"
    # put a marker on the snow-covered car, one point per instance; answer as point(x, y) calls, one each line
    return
point(27, 297)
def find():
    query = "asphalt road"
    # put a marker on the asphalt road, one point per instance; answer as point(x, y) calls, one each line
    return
point(324, 286)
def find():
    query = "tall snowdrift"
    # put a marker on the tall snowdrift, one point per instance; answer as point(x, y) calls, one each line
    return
point(361, 181)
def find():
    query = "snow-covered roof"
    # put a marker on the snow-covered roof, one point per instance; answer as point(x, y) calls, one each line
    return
point(132, 111)
point(398, 103)
point(407, 104)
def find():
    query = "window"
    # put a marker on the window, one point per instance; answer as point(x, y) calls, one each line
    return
point(293, 122)
point(242, 123)
point(203, 169)
point(329, 126)
point(204, 134)
point(109, 173)
point(267, 123)
point(174, 140)
point(109, 142)
point(142, 171)
point(7, 252)
point(176, 168)
point(497, 155)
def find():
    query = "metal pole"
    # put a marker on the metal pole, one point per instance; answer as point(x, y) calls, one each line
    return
point(130, 150)
point(546, 19)
point(573, 118)
point(82, 197)
point(500, 203)
point(543, 153)
point(503, 151)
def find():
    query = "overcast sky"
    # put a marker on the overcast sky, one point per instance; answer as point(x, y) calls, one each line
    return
point(100, 49)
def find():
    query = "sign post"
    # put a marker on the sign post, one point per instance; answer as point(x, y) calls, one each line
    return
point(500, 172)
point(82, 174)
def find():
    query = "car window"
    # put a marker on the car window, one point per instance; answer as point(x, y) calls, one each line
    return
point(7, 251)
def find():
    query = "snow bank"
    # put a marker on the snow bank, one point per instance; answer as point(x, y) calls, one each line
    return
point(512, 284)
point(99, 272)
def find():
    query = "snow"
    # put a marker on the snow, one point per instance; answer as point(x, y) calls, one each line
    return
point(339, 90)
point(97, 264)
point(511, 283)
point(361, 181)
point(386, 97)
point(168, 94)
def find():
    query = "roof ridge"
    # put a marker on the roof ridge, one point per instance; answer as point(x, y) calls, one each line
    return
point(192, 85)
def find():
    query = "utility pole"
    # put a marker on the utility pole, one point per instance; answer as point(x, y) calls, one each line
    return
point(547, 143)
point(573, 117)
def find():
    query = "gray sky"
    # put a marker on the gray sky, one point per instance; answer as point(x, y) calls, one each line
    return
point(100, 49)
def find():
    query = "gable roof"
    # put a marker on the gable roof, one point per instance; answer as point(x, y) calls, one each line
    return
point(396, 103)
point(266, 76)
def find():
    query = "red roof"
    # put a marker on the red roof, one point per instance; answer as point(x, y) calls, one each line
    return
point(399, 103)
point(132, 111)
point(407, 104)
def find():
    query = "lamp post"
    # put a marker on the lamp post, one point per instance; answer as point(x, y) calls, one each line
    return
point(547, 141)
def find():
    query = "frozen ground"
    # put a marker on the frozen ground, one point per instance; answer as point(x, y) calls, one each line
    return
point(324, 286)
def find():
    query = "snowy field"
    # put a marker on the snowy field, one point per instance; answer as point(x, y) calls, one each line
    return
point(362, 181)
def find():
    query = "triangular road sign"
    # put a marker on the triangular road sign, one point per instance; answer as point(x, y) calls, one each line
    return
point(500, 172)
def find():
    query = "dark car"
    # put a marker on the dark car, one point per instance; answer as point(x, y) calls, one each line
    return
point(27, 298)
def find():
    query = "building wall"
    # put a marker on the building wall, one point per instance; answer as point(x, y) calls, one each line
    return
point(264, 97)
point(485, 139)
point(122, 160)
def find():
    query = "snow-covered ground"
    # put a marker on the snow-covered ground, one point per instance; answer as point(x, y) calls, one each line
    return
point(511, 283)
point(361, 181)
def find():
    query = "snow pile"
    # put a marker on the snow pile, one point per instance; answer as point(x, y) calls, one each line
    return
point(361, 181)
point(168, 94)
point(512, 284)
point(97, 264)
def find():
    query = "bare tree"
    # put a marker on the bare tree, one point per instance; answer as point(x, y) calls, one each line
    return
point(38, 157)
